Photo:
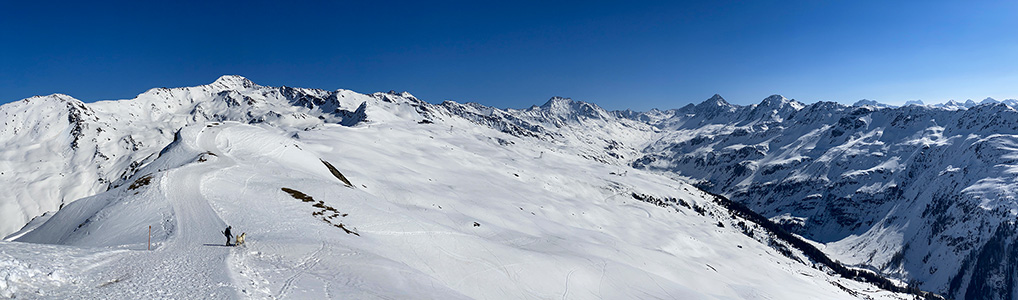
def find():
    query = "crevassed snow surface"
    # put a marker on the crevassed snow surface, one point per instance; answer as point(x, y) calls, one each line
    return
point(445, 210)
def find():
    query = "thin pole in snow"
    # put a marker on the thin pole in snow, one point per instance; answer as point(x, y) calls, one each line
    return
point(149, 237)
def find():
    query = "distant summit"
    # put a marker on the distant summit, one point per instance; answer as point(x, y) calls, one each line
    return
point(949, 105)
point(915, 102)
point(232, 82)
point(874, 103)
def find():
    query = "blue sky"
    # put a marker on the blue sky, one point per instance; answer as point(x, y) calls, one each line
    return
point(515, 54)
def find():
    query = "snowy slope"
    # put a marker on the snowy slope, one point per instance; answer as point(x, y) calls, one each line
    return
point(58, 149)
point(436, 206)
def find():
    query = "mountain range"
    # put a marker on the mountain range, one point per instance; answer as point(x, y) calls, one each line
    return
point(348, 195)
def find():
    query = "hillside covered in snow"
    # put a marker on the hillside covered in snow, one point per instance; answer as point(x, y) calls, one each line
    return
point(921, 193)
point(347, 195)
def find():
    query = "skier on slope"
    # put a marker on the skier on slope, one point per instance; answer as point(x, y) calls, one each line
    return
point(228, 235)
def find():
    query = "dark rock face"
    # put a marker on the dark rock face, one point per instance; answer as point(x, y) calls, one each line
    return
point(351, 118)
point(989, 272)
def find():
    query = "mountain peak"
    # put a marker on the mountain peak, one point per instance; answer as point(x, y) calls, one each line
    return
point(873, 103)
point(716, 99)
point(713, 107)
point(55, 98)
point(557, 102)
point(233, 82)
point(774, 100)
point(779, 101)
point(866, 102)
point(562, 106)
point(915, 102)
point(776, 108)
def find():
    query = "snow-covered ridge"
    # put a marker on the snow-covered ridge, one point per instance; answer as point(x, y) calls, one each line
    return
point(950, 104)
point(59, 149)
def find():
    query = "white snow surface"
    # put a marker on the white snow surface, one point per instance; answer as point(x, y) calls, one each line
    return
point(444, 209)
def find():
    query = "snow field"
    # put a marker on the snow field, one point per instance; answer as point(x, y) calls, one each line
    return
point(448, 210)
point(553, 227)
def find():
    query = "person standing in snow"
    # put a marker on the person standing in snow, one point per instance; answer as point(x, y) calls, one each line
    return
point(228, 235)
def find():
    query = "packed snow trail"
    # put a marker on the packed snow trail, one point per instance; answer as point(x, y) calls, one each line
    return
point(192, 264)
point(189, 256)
point(208, 175)
point(199, 225)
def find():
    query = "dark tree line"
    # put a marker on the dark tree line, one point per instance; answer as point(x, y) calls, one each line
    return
point(814, 254)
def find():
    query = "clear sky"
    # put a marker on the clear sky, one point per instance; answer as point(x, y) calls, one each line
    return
point(624, 54)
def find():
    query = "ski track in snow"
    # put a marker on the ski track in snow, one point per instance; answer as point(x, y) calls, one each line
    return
point(306, 264)
point(190, 265)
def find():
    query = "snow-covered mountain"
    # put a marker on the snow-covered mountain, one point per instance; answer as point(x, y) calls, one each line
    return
point(58, 149)
point(347, 195)
point(921, 193)
point(949, 105)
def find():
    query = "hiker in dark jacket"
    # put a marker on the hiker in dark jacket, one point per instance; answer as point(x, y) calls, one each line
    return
point(228, 235)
